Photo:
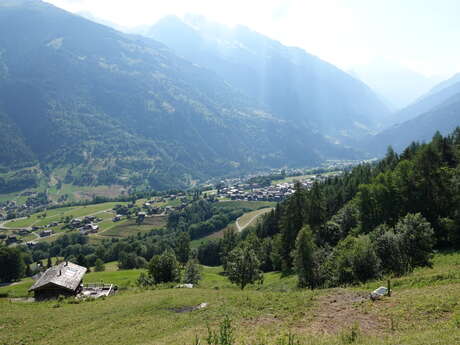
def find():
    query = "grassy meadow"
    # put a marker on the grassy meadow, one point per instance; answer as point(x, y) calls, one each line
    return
point(424, 309)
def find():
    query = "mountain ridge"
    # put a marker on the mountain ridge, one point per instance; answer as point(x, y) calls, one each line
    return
point(114, 108)
point(292, 83)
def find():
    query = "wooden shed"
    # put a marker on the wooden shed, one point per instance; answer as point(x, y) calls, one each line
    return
point(64, 279)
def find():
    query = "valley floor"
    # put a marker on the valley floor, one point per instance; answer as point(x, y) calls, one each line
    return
point(424, 309)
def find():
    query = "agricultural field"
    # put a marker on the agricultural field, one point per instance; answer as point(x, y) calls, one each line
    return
point(424, 309)
point(129, 227)
point(107, 228)
point(249, 205)
point(53, 215)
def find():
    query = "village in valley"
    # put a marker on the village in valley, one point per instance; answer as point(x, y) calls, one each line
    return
point(31, 224)
point(42, 222)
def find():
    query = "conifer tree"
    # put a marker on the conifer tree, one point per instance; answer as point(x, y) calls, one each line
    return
point(303, 257)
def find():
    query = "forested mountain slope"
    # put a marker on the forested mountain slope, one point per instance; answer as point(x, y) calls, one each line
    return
point(443, 118)
point(293, 84)
point(437, 97)
point(118, 109)
point(385, 218)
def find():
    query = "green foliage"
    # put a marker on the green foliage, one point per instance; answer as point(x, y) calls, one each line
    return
point(222, 337)
point(131, 261)
point(192, 273)
point(294, 216)
point(303, 258)
point(12, 266)
point(243, 267)
point(182, 247)
point(354, 260)
point(209, 253)
point(417, 239)
point(228, 243)
point(164, 268)
point(384, 218)
point(99, 265)
point(202, 218)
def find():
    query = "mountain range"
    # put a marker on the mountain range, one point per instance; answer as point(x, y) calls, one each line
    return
point(187, 99)
point(438, 110)
point(292, 84)
point(104, 107)
point(397, 85)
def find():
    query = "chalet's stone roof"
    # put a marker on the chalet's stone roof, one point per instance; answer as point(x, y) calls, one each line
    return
point(66, 275)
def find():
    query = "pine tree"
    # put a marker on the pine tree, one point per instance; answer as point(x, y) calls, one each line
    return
point(291, 222)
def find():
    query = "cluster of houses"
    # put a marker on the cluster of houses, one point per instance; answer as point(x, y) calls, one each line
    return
point(252, 192)
point(274, 193)
point(12, 209)
point(165, 210)
point(86, 225)
point(270, 193)
point(9, 208)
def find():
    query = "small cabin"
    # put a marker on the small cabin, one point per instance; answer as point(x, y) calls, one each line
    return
point(64, 279)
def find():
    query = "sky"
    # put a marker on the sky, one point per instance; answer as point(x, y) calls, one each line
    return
point(421, 35)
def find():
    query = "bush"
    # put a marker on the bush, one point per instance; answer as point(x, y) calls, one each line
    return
point(417, 239)
point(243, 267)
point(354, 259)
point(12, 266)
point(164, 268)
point(192, 274)
point(99, 265)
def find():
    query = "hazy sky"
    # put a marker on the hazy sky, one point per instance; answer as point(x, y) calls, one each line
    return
point(423, 35)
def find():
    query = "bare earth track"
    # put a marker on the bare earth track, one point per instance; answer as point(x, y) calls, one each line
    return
point(342, 310)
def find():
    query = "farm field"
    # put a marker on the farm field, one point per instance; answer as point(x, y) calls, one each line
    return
point(129, 227)
point(424, 309)
point(249, 205)
point(52, 215)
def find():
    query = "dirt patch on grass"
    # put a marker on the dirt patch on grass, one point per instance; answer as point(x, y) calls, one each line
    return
point(343, 310)
point(102, 191)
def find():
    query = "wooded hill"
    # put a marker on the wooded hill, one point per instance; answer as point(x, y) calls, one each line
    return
point(384, 218)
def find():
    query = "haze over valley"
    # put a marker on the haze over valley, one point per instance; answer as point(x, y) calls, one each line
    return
point(229, 172)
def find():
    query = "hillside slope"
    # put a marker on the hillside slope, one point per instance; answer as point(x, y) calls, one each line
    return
point(113, 108)
point(293, 84)
point(440, 94)
point(443, 118)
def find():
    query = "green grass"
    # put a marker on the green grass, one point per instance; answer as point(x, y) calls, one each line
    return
point(249, 205)
point(252, 217)
point(56, 214)
point(423, 310)
point(244, 221)
point(291, 179)
point(129, 227)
